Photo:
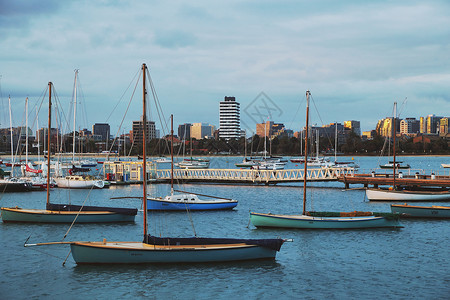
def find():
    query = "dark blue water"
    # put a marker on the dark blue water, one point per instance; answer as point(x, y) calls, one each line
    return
point(370, 264)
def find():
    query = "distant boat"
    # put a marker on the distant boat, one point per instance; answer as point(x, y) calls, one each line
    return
point(65, 213)
point(407, 195)
point(162, 160)
point(445, 165)
point(79, 182)
point(271, 165)
point(322, 220)
point(186, 201)
point(15, 185)
point(166, 249)
point(193, 164)
point(410, 211)
point(246, 163)
point(398, 164)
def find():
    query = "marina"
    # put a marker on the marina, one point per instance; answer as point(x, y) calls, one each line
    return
point(322, 256)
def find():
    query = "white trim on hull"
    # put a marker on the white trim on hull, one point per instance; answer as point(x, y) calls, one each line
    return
point(310, 222)
point(391, 195)
point(141, 253)
point(409, 211)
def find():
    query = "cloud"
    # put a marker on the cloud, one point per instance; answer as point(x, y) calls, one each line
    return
point(174, 39)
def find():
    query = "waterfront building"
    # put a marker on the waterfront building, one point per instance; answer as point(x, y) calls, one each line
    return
point(269, 129)
point(354, 126)
point(409, 126)
point(184, 131)
point(102, 129)
point(201, 130)
point(422, 125)
point(229, 114)
point(385, 127)
point(443, 127)
point(432, 124)
point(137, 132)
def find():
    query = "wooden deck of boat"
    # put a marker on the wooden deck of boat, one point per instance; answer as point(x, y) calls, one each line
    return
point(253, 176)
point(143, 246)
point(387, 179)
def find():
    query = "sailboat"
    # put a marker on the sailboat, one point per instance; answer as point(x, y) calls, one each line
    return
point(165, 249)
point(74, 181)
point(246, 163)
point(65, 213)
point(412, 211)
point(397, 193)
point(187, 201)
point(322, 220)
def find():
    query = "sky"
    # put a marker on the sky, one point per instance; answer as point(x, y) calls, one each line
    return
point(356, 58)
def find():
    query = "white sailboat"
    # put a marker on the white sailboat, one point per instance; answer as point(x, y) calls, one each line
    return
point(74, 181)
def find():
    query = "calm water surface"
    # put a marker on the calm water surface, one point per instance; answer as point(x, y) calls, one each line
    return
point(369, 264)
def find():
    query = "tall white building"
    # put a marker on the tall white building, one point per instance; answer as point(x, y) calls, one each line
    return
point(230, 122)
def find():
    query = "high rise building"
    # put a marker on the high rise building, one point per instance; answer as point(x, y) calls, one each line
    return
point(432, 124)
point(443, 127)
point(200, 131)
point(184, 131)
point(137, 133)
point(354, 126)
point(229, 126)
point(385, 127)
point(422, 127)
point(409, 126)
point(101, 129)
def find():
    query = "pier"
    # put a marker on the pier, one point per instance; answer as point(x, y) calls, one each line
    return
point(253, 176)
point(388, 179)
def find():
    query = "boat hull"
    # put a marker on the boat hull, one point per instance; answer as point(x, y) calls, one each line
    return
point(140, 253)
point(308, 222)
point(78, 184)
point(20, 215)
point(408, 211)
point(391, 195)
point(161, 204)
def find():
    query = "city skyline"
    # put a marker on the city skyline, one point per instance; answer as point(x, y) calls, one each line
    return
point(356, 58)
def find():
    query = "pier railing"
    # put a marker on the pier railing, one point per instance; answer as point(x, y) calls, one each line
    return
point(254, 176)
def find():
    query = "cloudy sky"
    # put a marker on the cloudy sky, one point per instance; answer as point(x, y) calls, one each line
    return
point(356, 57)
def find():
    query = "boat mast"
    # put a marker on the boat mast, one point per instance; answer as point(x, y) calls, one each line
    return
point(144, 141)
point(395, 133)
point(26, 131)
point(48, 139)
point(245, 145)
point(74, 115)
point(335, 143)
point(12, 141)
point(171, 155)
point(306, 152)
point(39, 143)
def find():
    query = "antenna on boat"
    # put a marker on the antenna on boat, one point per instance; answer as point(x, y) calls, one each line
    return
point(171, 155)
point(48, 139)
point(144, 141)
point(308, 93)
point(394, 131)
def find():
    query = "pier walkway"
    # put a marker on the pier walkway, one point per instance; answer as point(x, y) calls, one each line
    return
point(387, 179)
point(253, 176)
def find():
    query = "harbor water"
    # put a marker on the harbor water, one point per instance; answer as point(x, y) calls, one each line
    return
point(407, 263)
